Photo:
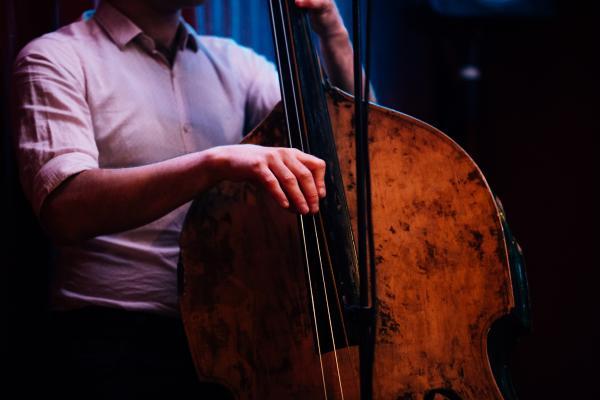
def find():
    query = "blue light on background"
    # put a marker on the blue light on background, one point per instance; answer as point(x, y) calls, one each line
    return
point(247, 22)
point(498, 8)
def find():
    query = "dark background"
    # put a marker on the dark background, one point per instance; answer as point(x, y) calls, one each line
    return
point(528, 121)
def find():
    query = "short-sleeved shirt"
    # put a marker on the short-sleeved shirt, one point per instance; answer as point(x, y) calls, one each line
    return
point(98, 94)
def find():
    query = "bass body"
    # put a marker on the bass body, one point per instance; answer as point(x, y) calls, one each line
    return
point(442, 274)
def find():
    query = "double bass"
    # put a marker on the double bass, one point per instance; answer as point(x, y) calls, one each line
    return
point(273, 304)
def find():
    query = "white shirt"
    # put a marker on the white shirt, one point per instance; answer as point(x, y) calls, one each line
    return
point(97, 94)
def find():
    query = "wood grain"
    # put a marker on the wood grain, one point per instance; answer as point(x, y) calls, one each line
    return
point(442, 274)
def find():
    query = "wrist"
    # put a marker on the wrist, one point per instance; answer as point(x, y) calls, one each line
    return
point(210, 165)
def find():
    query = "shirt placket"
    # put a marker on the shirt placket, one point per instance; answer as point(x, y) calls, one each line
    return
point(184, 125)
point(185, 128)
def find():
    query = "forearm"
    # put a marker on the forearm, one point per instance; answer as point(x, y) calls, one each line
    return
point(336, 48)
point(103, 201)
point(338, 60)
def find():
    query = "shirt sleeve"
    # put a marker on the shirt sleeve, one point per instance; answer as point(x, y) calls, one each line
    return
point(263, 92)
point(54, 133)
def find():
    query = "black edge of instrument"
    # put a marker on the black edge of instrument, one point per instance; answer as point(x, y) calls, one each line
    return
point(505, 332)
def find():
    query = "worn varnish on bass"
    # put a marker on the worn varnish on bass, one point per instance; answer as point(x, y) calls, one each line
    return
point(442, 274)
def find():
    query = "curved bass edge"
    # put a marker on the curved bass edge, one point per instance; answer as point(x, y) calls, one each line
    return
point(217, 283)
point(338, 95)
point(506, 330)
point(456, 264)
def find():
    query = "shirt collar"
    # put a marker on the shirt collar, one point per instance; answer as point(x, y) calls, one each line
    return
point(187, 38)
point(122, 30)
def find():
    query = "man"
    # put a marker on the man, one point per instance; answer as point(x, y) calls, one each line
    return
point(123, 118)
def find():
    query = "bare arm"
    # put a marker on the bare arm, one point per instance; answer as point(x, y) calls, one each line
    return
point(336, 49)
point(102, 201)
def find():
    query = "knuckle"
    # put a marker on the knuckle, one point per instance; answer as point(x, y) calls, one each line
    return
point(269, 179)
point(270, 156)
point(257, 165)
point(261, 170)
point(282, 153)
point(312, 197)
point(305, 175)
point(289, 179)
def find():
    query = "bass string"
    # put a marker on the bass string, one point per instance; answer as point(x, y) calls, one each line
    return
point(298, 105)
point(337, 302)
point(273, 4)
point(295, 96)
point(337, 366)
point(322, 247)
point(350, 357)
